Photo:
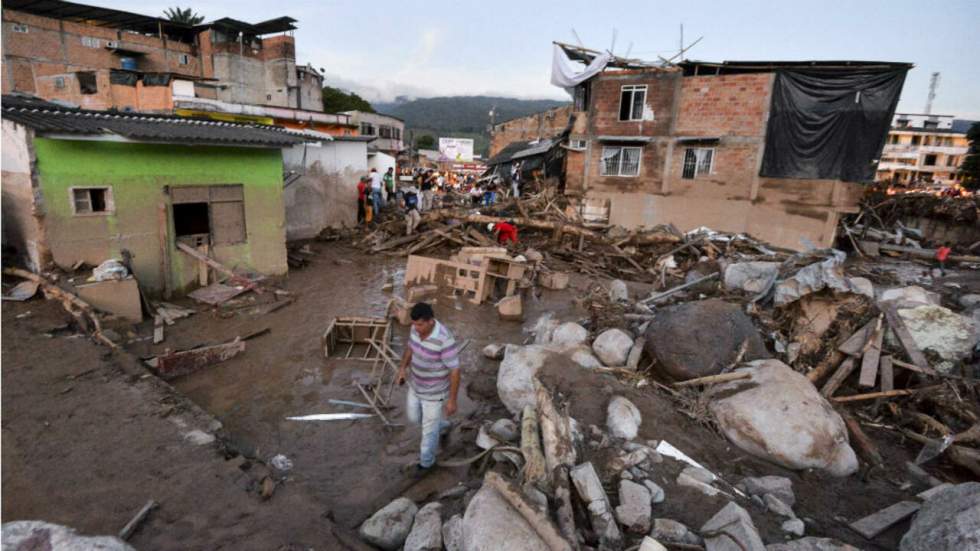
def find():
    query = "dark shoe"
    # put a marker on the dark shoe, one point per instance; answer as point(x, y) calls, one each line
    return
point(419, 472)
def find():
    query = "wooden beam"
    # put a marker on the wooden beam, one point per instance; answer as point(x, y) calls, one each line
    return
point(711, 379)
point(887, 374)
point(845, 369)
point(872, 353)
point(888, 394)
point(898, 326)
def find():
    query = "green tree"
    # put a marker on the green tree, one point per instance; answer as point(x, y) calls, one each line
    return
point(970, 169)
point(186, 16)
point(425, 141)
point(336, 100)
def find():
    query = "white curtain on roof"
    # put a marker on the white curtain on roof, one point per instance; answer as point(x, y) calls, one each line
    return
point(563, 73)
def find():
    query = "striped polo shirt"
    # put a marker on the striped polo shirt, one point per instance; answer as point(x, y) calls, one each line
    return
point(432, 360)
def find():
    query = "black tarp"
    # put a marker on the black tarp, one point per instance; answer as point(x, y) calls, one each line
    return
point(830, 124)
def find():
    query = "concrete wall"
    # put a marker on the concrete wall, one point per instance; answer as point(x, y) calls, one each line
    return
point(380, 161)
point(21, 230)
point(389, 145)
point(138, 175)
point(545, 124)
point(730, 112)
point(325, 195)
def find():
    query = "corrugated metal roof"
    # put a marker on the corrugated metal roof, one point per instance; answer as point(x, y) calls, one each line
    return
point(49, 118)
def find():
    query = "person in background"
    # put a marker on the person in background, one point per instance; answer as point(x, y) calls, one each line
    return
point(376, 187)
point(426, 187)
point(410, 200)
point(506, 232)
point(361, 199)
point(389, 182)
point(430, 364)
point(515, 180)
point(476, 195)
point(942, 253)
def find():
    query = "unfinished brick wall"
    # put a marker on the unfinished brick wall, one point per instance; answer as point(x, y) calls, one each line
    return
point(604, 108)
point(724, 105)
point(545, 124)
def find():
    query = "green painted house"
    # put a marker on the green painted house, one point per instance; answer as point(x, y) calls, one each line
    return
point(85, 186)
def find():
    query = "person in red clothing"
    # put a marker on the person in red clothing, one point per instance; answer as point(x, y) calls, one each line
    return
point(942, 253)
point(361, 197)
point(505, 232)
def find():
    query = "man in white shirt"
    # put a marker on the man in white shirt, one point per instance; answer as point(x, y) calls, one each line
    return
point(376, 187)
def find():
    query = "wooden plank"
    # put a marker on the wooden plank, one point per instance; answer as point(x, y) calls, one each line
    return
point(889, 394)
point(845, 369)
point(213, 263)
point(157, 329)
point(887, 374)
point(869, 363)
point(202, 268)
point(895, 322)
point(874, 524)
point(855, 343)
point(924, 370)
point(189, 361)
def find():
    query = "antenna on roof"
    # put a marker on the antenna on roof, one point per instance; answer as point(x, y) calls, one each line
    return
point(628, 50)
point(577, 39)
point(933, 84)
point(613, 46)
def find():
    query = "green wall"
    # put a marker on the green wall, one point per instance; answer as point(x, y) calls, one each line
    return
point(137, 174)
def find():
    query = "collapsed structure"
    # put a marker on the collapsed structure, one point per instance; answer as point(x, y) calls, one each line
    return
point(774, 149)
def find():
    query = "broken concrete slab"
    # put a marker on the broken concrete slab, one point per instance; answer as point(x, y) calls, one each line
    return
point(623, 418)
point(948, 520)
point(696, 339)
point(731, 529)
point(589, 488)
point(426, 534)
point(910, 295)
point(490, 524)
point(694, 477)
point(388, 527)
point(876, 523)
point(777, 414)
point(828, 273)
point(36, 534)
point(612, 347)
point(634, 509)
point(118, 297)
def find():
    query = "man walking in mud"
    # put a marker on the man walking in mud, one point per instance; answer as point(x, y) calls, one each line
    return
point(431, 366)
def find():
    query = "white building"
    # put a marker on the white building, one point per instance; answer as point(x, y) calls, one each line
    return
point(389, 130)
point(922, 150)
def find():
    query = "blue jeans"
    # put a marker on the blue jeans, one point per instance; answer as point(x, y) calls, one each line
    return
point(429, 414)
point(378, 200)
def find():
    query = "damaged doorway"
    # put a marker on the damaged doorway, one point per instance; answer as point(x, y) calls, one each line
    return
point(206, 217)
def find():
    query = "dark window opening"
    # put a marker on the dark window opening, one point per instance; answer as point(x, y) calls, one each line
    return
point(87, 83)
point(930, 160)
point(916, 140)
point(582, 97)
point(191, 219)
point(91, 200)
point(631, 101)
point(930, 124)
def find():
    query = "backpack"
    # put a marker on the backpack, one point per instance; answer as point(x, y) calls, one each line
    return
point(411, 201)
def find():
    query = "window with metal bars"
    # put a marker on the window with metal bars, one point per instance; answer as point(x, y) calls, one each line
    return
point(631, 101)
point(697, 161)
point(620, 161)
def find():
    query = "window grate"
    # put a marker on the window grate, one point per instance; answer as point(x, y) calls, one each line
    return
point(697, 161)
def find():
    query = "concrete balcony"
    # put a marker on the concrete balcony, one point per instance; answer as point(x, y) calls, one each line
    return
point(906, 151)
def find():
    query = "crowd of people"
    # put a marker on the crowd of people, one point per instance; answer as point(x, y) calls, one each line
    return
point(428, 190)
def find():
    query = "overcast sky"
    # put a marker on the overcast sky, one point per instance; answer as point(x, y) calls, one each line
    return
point(503, 47)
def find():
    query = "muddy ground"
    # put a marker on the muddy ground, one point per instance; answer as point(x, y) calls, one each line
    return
point(89, 437)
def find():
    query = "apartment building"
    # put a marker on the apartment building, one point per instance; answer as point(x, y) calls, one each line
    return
point(101, 59)
point(923, 150)
point(722, 144)
point(387, 129)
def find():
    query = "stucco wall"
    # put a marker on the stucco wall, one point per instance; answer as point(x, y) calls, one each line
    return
point(325, 195)
point(20, 228)
point(141, 221)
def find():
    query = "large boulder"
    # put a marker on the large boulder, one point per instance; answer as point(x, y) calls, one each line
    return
point(452, 533)
point(941, 330)
point(569, 334)
point(543, 327)
point(695, 339)
point(388, 527)
point(751, 277)
point(612, 346)
point(623, 418)
point(29, 535)
point(515, 377)
point(491, 524)
point(949, 519)
point(778, 415)
point(583, 357)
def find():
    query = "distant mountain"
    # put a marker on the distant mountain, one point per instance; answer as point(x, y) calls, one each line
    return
point(461, 116)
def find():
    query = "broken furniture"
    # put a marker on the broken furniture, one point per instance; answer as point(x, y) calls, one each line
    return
point(172, 365)
point(474, 272)
point(366, 339)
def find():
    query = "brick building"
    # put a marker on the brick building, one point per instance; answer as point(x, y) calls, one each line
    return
point(537, 126)
point(685, 144)
point(99, 58)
